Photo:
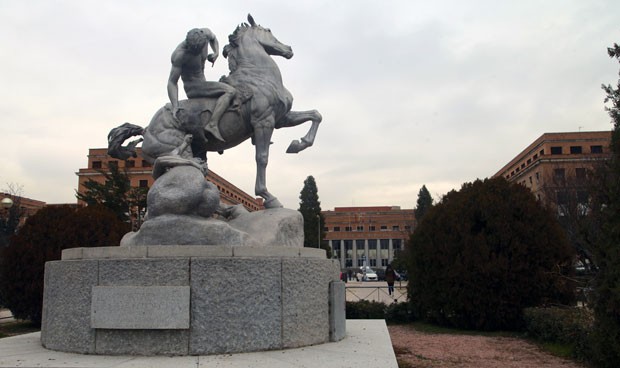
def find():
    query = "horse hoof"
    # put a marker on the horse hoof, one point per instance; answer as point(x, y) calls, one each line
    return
point(273, 203)
point(295, 147)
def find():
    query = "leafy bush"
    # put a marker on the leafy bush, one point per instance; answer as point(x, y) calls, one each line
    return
point(394, 313)
point(42, 239)
point(398, 313)
point(483, 254)
point(569, 326)
point(365, 309)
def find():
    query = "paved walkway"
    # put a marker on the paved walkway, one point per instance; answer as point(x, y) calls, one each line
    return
point(367, 344)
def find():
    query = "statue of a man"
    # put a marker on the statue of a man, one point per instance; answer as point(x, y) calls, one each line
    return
point(188, 63)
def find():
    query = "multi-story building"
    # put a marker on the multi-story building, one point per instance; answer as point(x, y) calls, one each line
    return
point(556, 166)
point(23, 207)
point(368, 236)
point(139, 173)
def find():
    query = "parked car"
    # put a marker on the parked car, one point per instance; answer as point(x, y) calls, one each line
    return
point(367, 274)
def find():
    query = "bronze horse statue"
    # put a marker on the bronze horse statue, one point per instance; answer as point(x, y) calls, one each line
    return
point(262, 105)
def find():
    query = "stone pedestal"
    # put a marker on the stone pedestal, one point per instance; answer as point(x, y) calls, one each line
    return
point(190, 300)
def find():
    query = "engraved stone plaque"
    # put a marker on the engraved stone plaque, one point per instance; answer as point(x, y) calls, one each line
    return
point(140, 307)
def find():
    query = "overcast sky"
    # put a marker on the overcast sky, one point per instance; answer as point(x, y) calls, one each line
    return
point(411, 92)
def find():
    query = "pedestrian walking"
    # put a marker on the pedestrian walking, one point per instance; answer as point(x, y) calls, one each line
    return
point(390, 277)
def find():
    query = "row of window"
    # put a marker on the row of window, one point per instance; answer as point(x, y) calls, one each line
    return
point(128, 164)
point(370, 228)
point(555, 150)
point(576, 150)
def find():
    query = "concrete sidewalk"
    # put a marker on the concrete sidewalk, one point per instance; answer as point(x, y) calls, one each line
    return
point(367, 344)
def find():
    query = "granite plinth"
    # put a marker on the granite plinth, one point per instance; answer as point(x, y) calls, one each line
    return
point(239, 299)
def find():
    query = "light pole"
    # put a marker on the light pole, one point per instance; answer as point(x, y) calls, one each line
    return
point(318, 219)
point(7, 203)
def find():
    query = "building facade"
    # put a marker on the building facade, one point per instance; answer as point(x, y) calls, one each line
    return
point(367, 236)
point(23, 207)
point(556, 166)
point(139, 173)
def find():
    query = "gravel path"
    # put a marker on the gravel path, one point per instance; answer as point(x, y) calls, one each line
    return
point(419, 349)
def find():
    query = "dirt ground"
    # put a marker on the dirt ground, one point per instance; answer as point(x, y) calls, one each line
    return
point(417, 349)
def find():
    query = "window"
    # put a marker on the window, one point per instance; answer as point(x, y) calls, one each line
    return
point(395, 228)
point(372, 252)
point(113, 164)
point(336, 228)
point(361, 254)
point(562, 203)
point(580, 173)
point(523, 166)
point(145, 163)
point(559, 175)
point(336, 248)
point(575, 150)
point(96, 164)
point(556, 150)
point(360, 228)
point(397, 245)
point(348, 249)
point(371, 228)
point(383, 227)
point(347, 228)
point(542, 152)
point(384, 252)
point(130, 163)
point(407, 228)
point(143, 184)
point(596, 149)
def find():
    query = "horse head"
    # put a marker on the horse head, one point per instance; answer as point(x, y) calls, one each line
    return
point(262, 36)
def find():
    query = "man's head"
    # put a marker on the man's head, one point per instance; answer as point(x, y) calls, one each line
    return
point(195, 40)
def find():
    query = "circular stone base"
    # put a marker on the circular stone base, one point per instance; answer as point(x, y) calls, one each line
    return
point(190, 300)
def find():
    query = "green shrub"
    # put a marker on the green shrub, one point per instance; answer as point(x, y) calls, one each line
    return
point(568, 326)
point(483, 254)
point(365, 309)
point(42, 239)
point(394, 313)
point(398, 313)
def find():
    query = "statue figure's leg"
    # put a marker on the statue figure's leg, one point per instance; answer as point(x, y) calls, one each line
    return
point(220, 108)
point(294, 118)
point(262, 140)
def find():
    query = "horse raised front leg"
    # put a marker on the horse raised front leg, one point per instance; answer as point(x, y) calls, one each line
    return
point(294, 118)
point(262, 140)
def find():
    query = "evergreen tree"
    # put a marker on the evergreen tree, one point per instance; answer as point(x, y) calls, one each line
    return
point(42, 239)
point(484, 254)
point(607, 253)
point(116, 194)
point(425, 201)
point(310, 208)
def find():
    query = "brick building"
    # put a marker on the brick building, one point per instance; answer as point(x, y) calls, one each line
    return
point(139, 172)
point(556, 166)
point(367, 235)
point(24, 207)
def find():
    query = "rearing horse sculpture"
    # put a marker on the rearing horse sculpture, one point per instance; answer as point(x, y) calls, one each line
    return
point(263, 104)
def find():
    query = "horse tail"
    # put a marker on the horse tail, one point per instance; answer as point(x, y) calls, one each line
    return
point(117, 137)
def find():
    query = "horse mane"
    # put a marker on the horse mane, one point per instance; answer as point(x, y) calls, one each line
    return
point(237, 33)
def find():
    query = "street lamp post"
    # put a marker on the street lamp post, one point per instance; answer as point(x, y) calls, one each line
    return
point(6, 203)
point(318, 219)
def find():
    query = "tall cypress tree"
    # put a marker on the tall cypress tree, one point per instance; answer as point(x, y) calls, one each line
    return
point(607, 253)
point(310, 208)
point(425, 202)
